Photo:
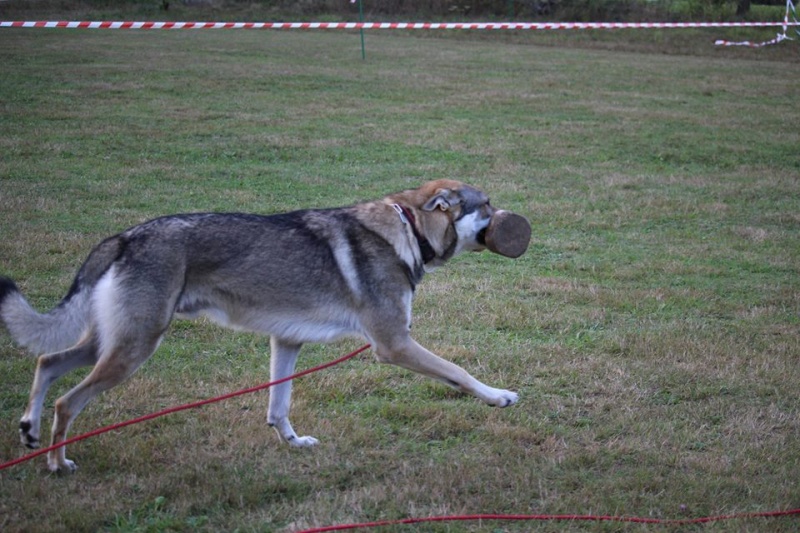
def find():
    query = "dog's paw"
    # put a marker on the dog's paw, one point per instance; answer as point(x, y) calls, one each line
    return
point(61, 466)
point(505, 398)
point(302, 442)
point(27, 435)
point(496, 397)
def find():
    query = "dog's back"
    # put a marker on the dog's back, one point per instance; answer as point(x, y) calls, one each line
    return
point(237, 269)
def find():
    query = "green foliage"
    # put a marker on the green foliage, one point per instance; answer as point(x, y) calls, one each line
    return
point(706, 10)
point(323, 10)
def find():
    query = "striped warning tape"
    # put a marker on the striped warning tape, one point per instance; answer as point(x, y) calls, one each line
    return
point(147, 25)
point(778, 38)
point(790, 11)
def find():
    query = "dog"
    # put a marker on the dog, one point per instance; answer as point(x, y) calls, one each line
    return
point(304, 276)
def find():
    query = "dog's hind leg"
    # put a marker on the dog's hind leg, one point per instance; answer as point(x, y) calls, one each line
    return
point(49, 368)
point(113, 367)
point(282, 364)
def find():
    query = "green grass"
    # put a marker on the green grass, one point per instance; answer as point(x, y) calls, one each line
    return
point(652, 329)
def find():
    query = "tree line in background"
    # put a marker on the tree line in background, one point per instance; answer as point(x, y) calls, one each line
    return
point(575, 10)
point(571, 10)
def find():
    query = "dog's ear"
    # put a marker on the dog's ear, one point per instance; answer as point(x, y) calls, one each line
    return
point(444, 199)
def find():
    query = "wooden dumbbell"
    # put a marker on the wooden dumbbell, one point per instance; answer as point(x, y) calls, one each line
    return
point(508, 234)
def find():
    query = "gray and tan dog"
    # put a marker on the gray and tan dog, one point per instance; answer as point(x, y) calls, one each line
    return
point(304, 276)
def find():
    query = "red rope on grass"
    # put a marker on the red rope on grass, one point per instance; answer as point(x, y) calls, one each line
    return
point(546, 517)
point(405, 521)
point(184, 407)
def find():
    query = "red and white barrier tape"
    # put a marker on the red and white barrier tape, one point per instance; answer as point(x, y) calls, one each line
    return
point(778, 38)
point(147, 25)
point(132, 25)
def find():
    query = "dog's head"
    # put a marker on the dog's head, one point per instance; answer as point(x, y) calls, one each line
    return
point(451, 215)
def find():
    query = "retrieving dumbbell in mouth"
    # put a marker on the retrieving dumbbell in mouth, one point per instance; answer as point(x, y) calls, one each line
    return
point(508, 234)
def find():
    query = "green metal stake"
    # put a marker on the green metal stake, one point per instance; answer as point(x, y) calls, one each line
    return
point(361, 19)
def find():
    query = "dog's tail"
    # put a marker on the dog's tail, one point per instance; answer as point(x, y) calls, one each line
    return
point(62, 327)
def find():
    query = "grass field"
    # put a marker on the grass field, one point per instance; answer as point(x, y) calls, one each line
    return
point(652, 329)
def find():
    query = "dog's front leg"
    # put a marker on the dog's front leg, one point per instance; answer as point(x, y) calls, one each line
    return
point(407, 353)
point(282, 364)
